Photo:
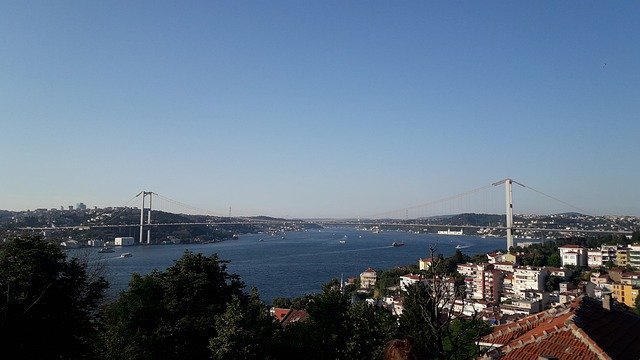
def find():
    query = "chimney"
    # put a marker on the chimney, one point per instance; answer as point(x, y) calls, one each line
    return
point(606, 301)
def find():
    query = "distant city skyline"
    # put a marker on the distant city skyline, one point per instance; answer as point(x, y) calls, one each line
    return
point(319, 109)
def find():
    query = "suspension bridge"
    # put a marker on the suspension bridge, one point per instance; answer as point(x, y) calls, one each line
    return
point(422, 216)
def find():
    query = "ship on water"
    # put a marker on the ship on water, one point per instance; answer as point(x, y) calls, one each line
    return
point(450, 232)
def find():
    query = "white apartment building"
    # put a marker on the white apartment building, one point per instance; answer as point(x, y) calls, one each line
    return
point(527, 279)
point(634, 255)
point(407, 280)
point(574, 255)
point(594, 258)
point(368, 278)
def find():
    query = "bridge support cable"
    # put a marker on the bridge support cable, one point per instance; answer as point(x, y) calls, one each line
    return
point(184, 206)
point(443, 201)
point(582, 211)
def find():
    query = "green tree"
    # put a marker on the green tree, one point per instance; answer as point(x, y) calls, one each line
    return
point(554, 260)
point(47, 301)
point(245, 331)
point(552, 282)
point(427, 318)
point(370, 328)
point(170, 314)
point(281, 302)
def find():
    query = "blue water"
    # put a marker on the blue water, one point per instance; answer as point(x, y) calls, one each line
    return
point(294, 265)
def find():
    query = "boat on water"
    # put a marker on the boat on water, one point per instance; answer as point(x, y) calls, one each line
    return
point(106, 250)
point(450, 232)
point(396, 244)
point(458, 246)
point(343, 241)
point(125, 255)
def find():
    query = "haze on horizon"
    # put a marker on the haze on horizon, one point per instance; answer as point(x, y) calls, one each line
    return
point(319, 109)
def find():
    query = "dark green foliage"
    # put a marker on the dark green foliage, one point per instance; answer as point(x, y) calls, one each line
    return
point(171, 314)
point(435, 334)
point(337, 329)
point(281, 302)
point(552, 283)
point(245, 330)
point(370, 328)
point(47, 302)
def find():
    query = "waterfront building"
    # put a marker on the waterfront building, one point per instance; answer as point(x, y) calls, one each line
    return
point(368, 279)
point(426, 263)
point(124, 241)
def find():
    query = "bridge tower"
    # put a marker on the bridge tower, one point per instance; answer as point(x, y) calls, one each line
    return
point(509, 208)
point(142, 209)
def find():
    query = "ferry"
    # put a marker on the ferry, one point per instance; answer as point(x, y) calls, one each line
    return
point(450, 232)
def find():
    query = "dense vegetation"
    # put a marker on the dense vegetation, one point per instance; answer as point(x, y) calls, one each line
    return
point(196, 309)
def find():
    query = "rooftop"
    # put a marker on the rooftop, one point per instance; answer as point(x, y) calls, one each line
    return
point(581, 330)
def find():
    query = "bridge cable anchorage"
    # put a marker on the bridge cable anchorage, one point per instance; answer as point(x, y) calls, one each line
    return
point(442, 200)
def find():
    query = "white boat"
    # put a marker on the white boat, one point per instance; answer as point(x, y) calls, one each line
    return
point(125, 255)
point(458, 246)
point(450, 232)
point(343, 241)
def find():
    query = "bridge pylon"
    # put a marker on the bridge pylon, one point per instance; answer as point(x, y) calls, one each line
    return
point(142, 209)
point(509, 208)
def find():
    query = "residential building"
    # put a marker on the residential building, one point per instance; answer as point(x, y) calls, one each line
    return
point(407, 280)
point(625, 294)
point(583, 329)
point(467, 269)
point(594, 258)
point(426, 263)
point(368, 279)
point(574, 255)
point(528, 278)
point(504, 266)
point(608, 254)
point(124, 241)
point(634, 255)
point(622, 257)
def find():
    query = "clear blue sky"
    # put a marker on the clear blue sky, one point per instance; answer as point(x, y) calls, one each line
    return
point(319, 108)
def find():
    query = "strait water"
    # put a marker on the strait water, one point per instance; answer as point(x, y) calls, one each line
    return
point(294, 263)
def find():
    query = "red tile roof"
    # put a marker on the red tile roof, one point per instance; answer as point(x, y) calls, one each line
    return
point(294, 316)
point(582, 330)
point(280, 313)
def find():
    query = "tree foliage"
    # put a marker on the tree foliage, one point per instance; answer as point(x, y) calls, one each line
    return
point(171, 314)
point(47, 302)
point(245, 331)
